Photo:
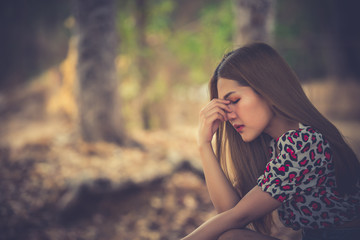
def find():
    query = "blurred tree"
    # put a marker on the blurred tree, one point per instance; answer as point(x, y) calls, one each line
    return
point(254, 20)
point(33, 38)
point(99, 106)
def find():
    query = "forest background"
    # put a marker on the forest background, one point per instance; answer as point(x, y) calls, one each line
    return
point(99, 104)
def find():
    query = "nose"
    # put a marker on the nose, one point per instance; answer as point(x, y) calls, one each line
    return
point(231, 115)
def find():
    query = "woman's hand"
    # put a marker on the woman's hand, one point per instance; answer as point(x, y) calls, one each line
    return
point(214, 113)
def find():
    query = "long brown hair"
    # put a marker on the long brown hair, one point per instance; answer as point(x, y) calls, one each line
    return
point(259, 66)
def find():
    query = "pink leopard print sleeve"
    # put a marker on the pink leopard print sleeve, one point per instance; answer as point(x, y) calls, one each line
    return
point(302, 177)
point(301, 164)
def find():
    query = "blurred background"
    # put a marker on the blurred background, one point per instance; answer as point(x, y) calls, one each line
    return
point(99, 103)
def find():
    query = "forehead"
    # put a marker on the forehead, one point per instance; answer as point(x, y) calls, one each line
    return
point(226, 86)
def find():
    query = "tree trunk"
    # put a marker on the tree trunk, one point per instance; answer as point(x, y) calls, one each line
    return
point(254, 21)
point(99, 106)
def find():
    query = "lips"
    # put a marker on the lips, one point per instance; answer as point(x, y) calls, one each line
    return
point(239, 128)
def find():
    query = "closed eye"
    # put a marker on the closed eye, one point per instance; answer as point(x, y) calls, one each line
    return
point(234, 102)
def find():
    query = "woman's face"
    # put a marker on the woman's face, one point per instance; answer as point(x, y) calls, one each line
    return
point(250, 114)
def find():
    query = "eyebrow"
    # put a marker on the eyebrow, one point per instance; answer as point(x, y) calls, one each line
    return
point(228, 94)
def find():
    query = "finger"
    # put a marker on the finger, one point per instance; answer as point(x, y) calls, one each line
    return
point(223, 104)
point(216, 113)
point(212, 120)
point(221, 101)
point(215, 108)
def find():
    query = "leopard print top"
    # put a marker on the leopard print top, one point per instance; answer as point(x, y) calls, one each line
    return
point(302, 177)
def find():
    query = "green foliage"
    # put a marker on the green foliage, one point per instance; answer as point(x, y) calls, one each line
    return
point(126, 24)
point(195, 47)
point(201, 46)
point(173, 57)
point(160, 16)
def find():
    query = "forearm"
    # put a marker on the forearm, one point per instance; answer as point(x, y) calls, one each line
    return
point(255, 204)
point(214, 227)
point(222, 193)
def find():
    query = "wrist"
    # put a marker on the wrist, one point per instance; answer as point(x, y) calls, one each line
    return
point(205, 146)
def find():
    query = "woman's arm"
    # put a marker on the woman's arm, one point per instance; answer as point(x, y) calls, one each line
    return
point(222, 193)
point(256, 203)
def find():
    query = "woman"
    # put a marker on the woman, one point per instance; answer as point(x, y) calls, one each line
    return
point(274, 151)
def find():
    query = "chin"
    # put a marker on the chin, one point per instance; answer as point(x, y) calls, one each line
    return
point(247, 138)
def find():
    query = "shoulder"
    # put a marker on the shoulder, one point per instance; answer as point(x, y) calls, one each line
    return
point(303, 133)
point(305, 140)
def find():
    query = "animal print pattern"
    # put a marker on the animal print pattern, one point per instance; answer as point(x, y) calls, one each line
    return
point(302, 177)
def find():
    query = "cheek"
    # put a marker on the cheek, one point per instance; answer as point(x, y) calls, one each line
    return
point(261, 111)
point(265, 112)
point(254, 110)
